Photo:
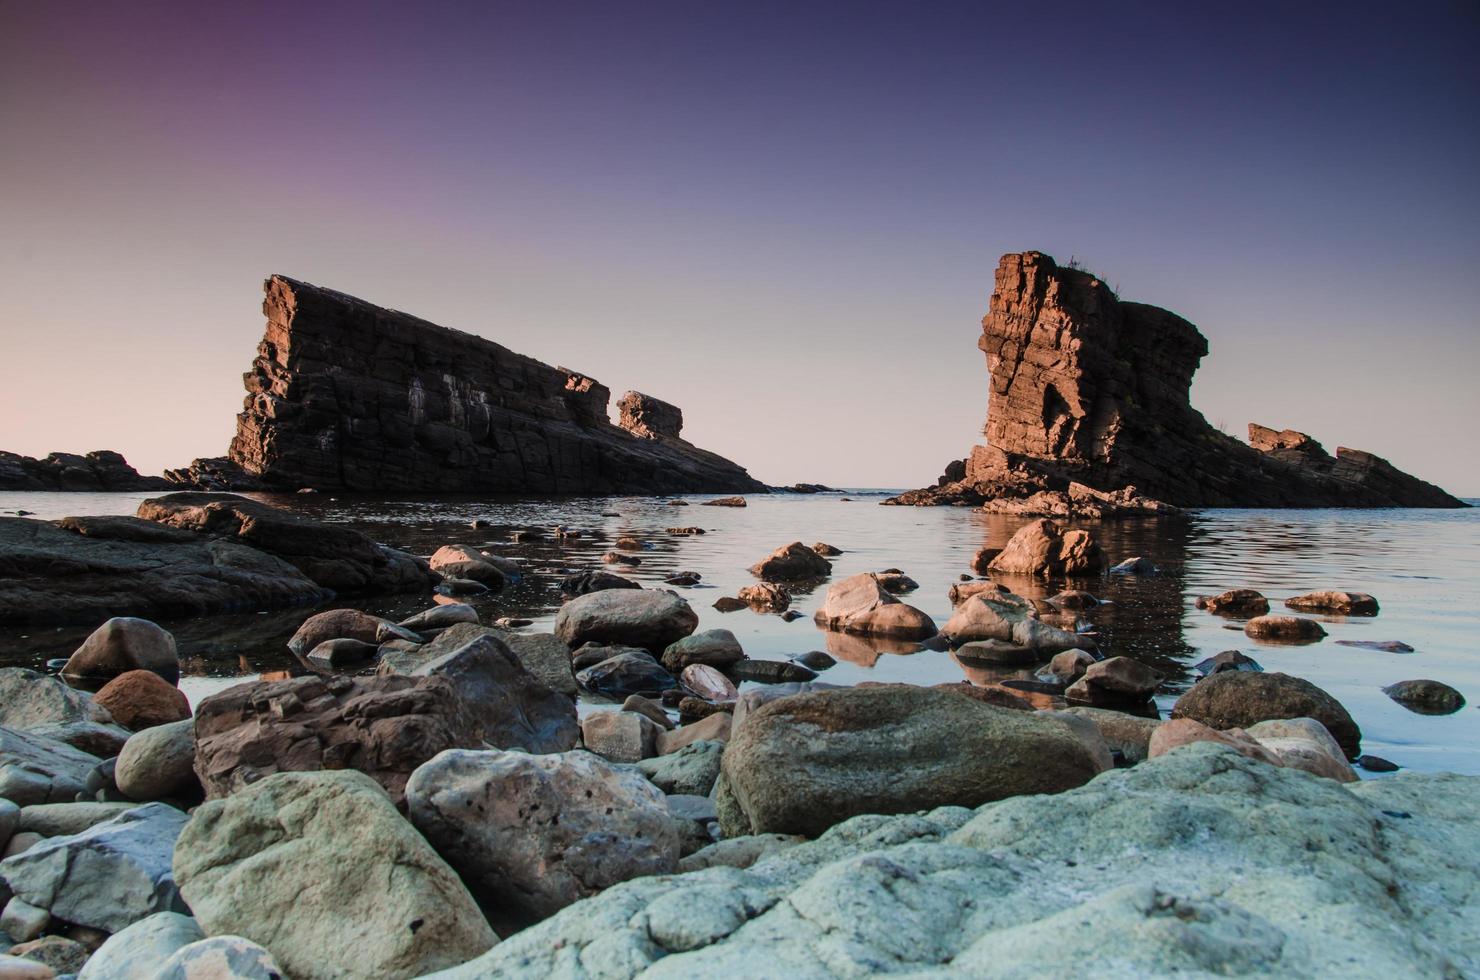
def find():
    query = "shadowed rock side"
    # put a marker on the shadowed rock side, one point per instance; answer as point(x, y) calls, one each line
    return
point(1086, 388)
point(347, 395)
point(100, 470)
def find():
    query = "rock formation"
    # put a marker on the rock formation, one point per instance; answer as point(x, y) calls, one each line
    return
point(1087, 388)
point(347, 395)
point(97, 471)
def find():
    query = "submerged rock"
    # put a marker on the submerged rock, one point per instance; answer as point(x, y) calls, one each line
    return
point(634, 672)
point(1235, 602)
point(1284, 629)
point(1426, 697)
point(712, 648)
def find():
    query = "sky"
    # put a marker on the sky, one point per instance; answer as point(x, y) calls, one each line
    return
point(783, 217)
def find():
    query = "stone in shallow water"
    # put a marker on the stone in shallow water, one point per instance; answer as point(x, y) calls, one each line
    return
point(123, 644)
point(1343, 603)
point(1240, 699)
point(1426, 696)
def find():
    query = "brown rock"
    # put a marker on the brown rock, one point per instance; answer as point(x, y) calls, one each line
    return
point(791, 562)
point(712, 728)
point(1342, 603)
point(348, 624)
point(649, 418)
point(859, 604)
point(649, 709)
point(981, 562)
point(826, 550)
point(766, 596)
point(1235, 602)
point(1070, 665)
point(724, 502)
point(1284, 629)
point(996, 694)
point(1042, 548)
point(141, 699)
point(1124, 675)
point(460, 561)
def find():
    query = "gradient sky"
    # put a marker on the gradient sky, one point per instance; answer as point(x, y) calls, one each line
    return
point(783, 217)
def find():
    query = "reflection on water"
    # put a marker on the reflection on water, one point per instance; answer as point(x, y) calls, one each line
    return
point(1423, 566)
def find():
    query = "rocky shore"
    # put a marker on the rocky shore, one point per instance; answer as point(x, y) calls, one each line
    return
point(423, 796)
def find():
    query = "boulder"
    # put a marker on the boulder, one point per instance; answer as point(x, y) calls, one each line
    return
point(770, 671)
point(159, 763)
point(138, 951)
point(826, 550)
point(996, 653)
point(1126, 734)
point(1426, 697)
point(1178, 732)
point(383, 726)
point(35, 769)
point(708, 683)
point(1044, 549)
point(633, 672)
point(532, 834)
point(1073, 599)
point(30, 699)
point(1284, 629)
point(1241, 699)
point(460, 561)
point(712, 648)
point(1009, 619)
point(1227, 660)
point(1134, 566)
point(582, 583)
point(321, 869)
point(621, 736)
point(790, 563)
point(1235, 602)
point(439, 618)
point(859, 604)
point(106, 877)
point(724, 502)
point(62, 819)
point(335, 624)
point(220, 958)
point(1304, 743)
point(1068, 666)
point(103, 741)
point(649, 709)
point(123, 644)
point(897, 583)
point(647, 618)
point(1341, 603)
point(140, 699)
point(64, 956)
point(691, 769)
point(764, 596)
point(801, 764)
point(1123, 675)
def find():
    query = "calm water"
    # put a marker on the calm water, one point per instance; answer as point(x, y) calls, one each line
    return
point(1423, 566)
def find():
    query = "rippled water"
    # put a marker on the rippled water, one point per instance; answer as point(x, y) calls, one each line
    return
point(1423, 566)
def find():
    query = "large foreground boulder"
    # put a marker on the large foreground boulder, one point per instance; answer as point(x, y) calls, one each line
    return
point(106, 877)
point(798, 765)
point(530, 834)
point(1200, 863)
point(320, 869)
point(383, 726)
point(1241, 699)
point(861, 604)
point(648, 618)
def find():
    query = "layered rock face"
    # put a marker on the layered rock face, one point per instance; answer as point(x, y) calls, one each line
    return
point(347, 395)
point(100, 470)
point(1086, 388)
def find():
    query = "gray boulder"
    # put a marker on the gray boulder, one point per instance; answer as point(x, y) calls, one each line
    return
point(801, 764)
point(691, 770)
point(647, 618)
point(1307, 878)
point(34, 769)
point(530, 834)
point(159, 763)
point(106, 877)
point(320, 868)
point(29, 699)
point(137, 952)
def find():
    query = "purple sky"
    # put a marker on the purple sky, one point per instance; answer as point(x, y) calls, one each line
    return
point(782, 217)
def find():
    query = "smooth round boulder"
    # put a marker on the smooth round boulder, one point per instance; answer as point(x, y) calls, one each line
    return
point(648, 618)
point(159, 763)
point(1241, 699)
point(141, 699)
point(1426, 697)
point(530, 834)
point(712, 648)
point(460, 561)
point(1284, 629)
point(802, 763)
point(123, 644)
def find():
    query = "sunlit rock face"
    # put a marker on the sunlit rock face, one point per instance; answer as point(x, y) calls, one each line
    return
point(1087, 388)
point(347, 395)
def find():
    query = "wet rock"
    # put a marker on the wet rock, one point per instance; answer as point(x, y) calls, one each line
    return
point(860, 604)
point(105, 877)
point(766, 596)
point(221, 958)
point(1009, 619)
point(140, 699)
point(649, 709)
point(724, 502)
point(384, 726)
point(1134, 566)
point(826, 550)
point(532, 834)
point(981, 561)
point(617, 558)
point(621, 736)
point(816, 660)
point(1073, 599)
point(794, 765)
point(30, 700)
point(792, 562)
point(159, 763)
point(1235, 602)
point(1426, 697)
point(461, 561)
point(996, 653)
point(1284, 629)
point(726, 604)
point(691, 769)
point(1068, 666)
point(140, 950)
point(1240, 699)
point(646, 618)
point(684, 531)
point(343, 652)
point(349, 624)
point(592, 654)
point(1227, 660)
point(438, 618)
point(791, 616)
point(583, 583)
point(684, 579)
point(713, 648)
point(771, 671)
point(123, 644)
point(35, 769)
point(962, 591)
point(242, 863)
point(1386, 646)
point(461, 587)
point(1043, 548)
point(1373, 763)
point(1343, 603)
point(708, 683)
point(634, 672)
point(1123, 675)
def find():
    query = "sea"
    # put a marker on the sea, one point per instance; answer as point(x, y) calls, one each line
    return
point(1422, 565)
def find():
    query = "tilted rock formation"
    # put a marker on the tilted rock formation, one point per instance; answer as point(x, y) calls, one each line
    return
point(347, 395)
point(99, 470)
point(1089, 389)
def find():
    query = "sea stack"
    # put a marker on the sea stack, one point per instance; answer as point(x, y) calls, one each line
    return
point(1086, 388)
point(346, 395)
